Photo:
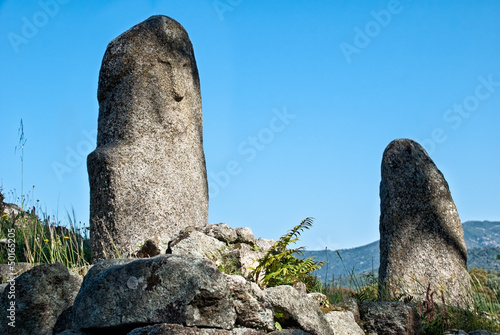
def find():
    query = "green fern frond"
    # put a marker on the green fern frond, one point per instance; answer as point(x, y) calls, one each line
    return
point(281, 266)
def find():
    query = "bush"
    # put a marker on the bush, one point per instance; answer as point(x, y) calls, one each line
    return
point(281, 266)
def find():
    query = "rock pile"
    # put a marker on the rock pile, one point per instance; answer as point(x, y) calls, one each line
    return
point(182, 292)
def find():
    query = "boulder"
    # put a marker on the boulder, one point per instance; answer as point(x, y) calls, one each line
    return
point(264, 244)
point(390, 318)
point(245, 235)
point(147, 175)
point(124, 294)
point(351, 305)
point(320, 298)
point(34, 301)
point(168, 329)
point(194, 242)
point(421, 237)
point(343, 322)
point(297, 309)
point(252, 310)
point(222, 232)
point(247, 258)
point(289, 331)
point(219, 243)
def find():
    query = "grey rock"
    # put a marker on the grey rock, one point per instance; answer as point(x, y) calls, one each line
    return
point(343, 322)
point(482, 332)
point(11, 209)
point(264, 244)
point(122, 294)
point(222, 232)
point(298, 309)
point(168, 329)
point(390, 318)
point(245, 235)
point(421, 237)
point(42, 294)
point(147, 175)
point(252, 310)
point(350, 304)
point(64, 321)
point(74, 332)
point(289, 332)
point(247, 258)
point(301, 287)
point(196, 243)
point(319, 298)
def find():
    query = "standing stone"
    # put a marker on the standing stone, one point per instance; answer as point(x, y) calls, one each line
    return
point(421, 237)
point(147, 175)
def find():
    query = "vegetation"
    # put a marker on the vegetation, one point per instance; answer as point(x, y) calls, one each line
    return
point(28, 238)
point(282, 266)
point(436, 315)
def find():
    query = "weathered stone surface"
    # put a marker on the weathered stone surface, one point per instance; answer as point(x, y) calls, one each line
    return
point(343, 322)
point(350, 304)
point(41, 296)
point(74, 332)
point(170, 329)
point(164, 289)
point(11, 209)
point(319, 298)
point(222, 232)
point(421, 237)
point(196, 243)
point(64, 321)
point(390, 318)
point(249, 301)
point(248, 258)
point(298, 309)
point(289, 332)
point(264, 244)
point(147, 175)
point(219, 243)
point(245, 235)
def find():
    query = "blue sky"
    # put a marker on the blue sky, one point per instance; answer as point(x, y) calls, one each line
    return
point(300, 99)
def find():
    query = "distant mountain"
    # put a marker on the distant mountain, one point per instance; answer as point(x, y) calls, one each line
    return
point(481, 237)
point(481, 234)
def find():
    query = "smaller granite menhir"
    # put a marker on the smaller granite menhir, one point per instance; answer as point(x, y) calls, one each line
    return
point(421, 236)
point(147, 175)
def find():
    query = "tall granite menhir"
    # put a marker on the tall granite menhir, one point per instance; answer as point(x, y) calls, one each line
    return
point(421, 237)
point(147, 175)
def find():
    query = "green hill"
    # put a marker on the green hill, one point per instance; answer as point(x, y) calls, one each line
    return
point(481, 237)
